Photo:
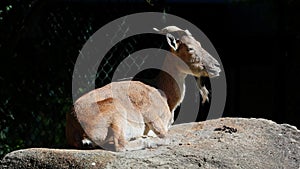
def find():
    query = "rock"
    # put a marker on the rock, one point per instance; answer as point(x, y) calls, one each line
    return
point(220, 143)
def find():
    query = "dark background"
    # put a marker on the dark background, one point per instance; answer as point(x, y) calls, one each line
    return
point(258, 42)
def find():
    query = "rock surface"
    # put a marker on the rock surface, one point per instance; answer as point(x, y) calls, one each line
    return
point(220, 143)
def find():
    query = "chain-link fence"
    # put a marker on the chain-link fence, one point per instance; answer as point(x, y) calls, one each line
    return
point(40, 41)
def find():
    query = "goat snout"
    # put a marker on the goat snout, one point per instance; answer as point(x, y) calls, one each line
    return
point(213, 72)
point(217, 65)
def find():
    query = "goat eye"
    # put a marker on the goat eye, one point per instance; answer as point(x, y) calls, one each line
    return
point(189, 49)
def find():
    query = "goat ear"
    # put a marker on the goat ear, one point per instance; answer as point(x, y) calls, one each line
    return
point(172, 41)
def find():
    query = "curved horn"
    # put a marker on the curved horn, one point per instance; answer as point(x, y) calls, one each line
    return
point(170, 29)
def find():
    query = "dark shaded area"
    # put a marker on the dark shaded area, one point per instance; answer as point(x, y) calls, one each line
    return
point(258, 42)
point(125, 48)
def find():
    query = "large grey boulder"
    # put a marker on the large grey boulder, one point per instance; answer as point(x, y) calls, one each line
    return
point(220, 143)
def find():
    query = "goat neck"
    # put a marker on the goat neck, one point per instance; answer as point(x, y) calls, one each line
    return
point(172, 83)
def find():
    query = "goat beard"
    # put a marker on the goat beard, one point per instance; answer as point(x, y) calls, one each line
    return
point(203, 90)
